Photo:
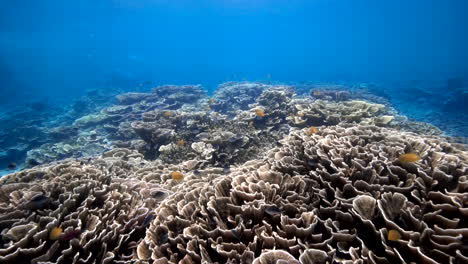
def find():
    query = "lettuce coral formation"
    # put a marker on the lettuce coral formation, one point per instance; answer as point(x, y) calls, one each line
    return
point(339, 192)
point(254, 190)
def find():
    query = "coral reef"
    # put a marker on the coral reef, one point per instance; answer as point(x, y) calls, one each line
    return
point(31, 125)
point(254, 174)
point(333, 196)
point(232, 96)
point(153, 122)
point(331, 94)
point(321, 112)
point(101, 213)
point(441, 103)
point(91, 134)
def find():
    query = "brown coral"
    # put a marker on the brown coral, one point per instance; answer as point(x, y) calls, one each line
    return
point(336, 194)
point(333, 195)
point(102, 214)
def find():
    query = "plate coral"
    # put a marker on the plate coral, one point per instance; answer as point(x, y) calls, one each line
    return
point(175, 176)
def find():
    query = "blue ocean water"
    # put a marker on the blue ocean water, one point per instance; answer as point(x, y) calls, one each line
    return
point(233, 131)
point(58, 49)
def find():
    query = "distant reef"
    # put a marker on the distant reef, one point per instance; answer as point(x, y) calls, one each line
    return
point(256, 173)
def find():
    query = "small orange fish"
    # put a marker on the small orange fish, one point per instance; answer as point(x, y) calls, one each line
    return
point(312, 130)
point(409, 157)
point(55, 233)
point(177, 175)
point(260, 112)
point(393, 235)
point(180, 142)
point(168, 113)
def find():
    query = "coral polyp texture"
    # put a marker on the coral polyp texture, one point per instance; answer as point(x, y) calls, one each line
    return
point(255, 174)
point(333, 196)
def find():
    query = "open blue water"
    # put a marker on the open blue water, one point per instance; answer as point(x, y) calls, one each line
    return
point(233, 131)
point(58, 49)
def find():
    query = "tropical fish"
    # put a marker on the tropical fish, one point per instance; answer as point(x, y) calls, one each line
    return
point(177, 175)
point(393, 235)
point(12, 166)
point(212, 101)
point(312, 130)
point(260, 112)
point(409, 157)
point(180, 142)
point(300, 114)
point(38, 202)
point(168, 113)
point(55, 233)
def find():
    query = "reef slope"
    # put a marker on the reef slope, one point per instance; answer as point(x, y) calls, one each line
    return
point(254, 174)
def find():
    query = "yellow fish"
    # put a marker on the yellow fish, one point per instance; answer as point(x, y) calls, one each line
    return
point(409, 157)
point(260, 112)
point(180, 142)
point(177, 175)
point(55, 233)
point(167, 113)
point(312, 130)
point(393, 235)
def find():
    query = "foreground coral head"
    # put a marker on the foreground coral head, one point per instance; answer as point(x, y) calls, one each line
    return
point(338, 195)
point(341, 196)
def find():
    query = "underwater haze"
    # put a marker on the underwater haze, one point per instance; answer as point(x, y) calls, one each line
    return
point(62, 48)
point(233, 131)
